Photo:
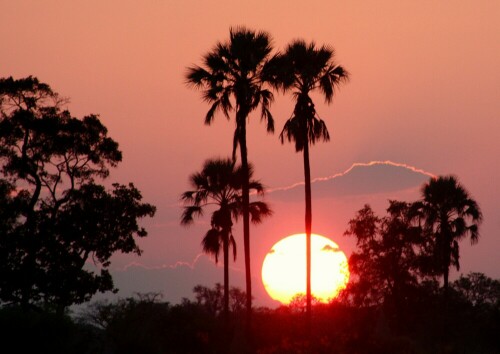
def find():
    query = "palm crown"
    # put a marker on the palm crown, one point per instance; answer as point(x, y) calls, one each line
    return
point(304, 68)
point(219, 184)
point(450, 214)
point(231, 77)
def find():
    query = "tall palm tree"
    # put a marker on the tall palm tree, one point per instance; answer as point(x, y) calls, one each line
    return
point(304, 68)
point(450, 215)
point(220, 184)
point(231, 81)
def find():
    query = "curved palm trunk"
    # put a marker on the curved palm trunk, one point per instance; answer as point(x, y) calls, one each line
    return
point(308, 220)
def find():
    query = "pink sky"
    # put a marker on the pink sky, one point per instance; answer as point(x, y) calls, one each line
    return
point(424, 91)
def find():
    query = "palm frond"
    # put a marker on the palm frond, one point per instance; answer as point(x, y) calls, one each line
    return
point(232, 244)
point(317, 131)
point(455, 254)
point(266, 98)
point(258, 211)
point(188, 196)
point(215, 61)
point(331, 80)
point(197, 76)
point(293, 132)
point(327, 87)
point(212, 243)
point(249, 48)
point(256, 186)
point(211, 112)
point(225, 99)
point(472, 209)
point(189, 213)
point(474, 233)
point(277, 72)
point(324, 54)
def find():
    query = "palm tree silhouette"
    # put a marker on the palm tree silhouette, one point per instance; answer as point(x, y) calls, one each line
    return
point(450, 215)
point(304, 68)
point(232, 72)
point(220, 184)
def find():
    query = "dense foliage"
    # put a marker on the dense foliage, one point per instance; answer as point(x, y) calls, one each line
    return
point(146, 324)
point(55, 216)
point(385, 268)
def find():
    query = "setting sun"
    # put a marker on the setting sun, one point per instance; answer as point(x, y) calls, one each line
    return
point(284, 268)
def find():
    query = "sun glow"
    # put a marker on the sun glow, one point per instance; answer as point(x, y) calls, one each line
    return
point(284, 268)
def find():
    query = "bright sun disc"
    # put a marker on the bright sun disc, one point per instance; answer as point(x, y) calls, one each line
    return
point(284, 268)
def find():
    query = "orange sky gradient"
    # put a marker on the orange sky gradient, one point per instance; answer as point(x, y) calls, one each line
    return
point(424, 92)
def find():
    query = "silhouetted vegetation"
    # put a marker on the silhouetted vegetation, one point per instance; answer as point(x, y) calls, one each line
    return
point(146, 324)
point(450, 214)
point(385, 268)
point(55, 216)
point(220, 184)
point(406, 251)
point(231, 79)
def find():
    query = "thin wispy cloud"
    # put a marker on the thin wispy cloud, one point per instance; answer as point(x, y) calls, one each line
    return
point(175, 265)
point(178, 264)
point(408, 167)
point(353, 166)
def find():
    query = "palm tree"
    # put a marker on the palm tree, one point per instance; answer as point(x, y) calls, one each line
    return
point(220, 184)
point(304, 68)
point(231, 81)
point(450, 215)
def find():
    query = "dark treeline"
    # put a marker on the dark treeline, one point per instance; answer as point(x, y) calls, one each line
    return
point(146, 324)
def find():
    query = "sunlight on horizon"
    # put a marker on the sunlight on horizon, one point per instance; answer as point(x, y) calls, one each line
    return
point(284, 268)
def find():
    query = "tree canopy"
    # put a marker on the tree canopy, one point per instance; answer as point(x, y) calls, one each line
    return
point(451, 214)
point(386, 265)
point(56, 216)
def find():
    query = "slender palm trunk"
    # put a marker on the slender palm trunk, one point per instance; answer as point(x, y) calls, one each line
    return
point(246, 220)
point(308, 220)
point(226, 275)
point(446, 295)
point(446, 272)
point(446, 239)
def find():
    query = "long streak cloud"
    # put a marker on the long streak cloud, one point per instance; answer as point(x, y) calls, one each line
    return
point(354, 165)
